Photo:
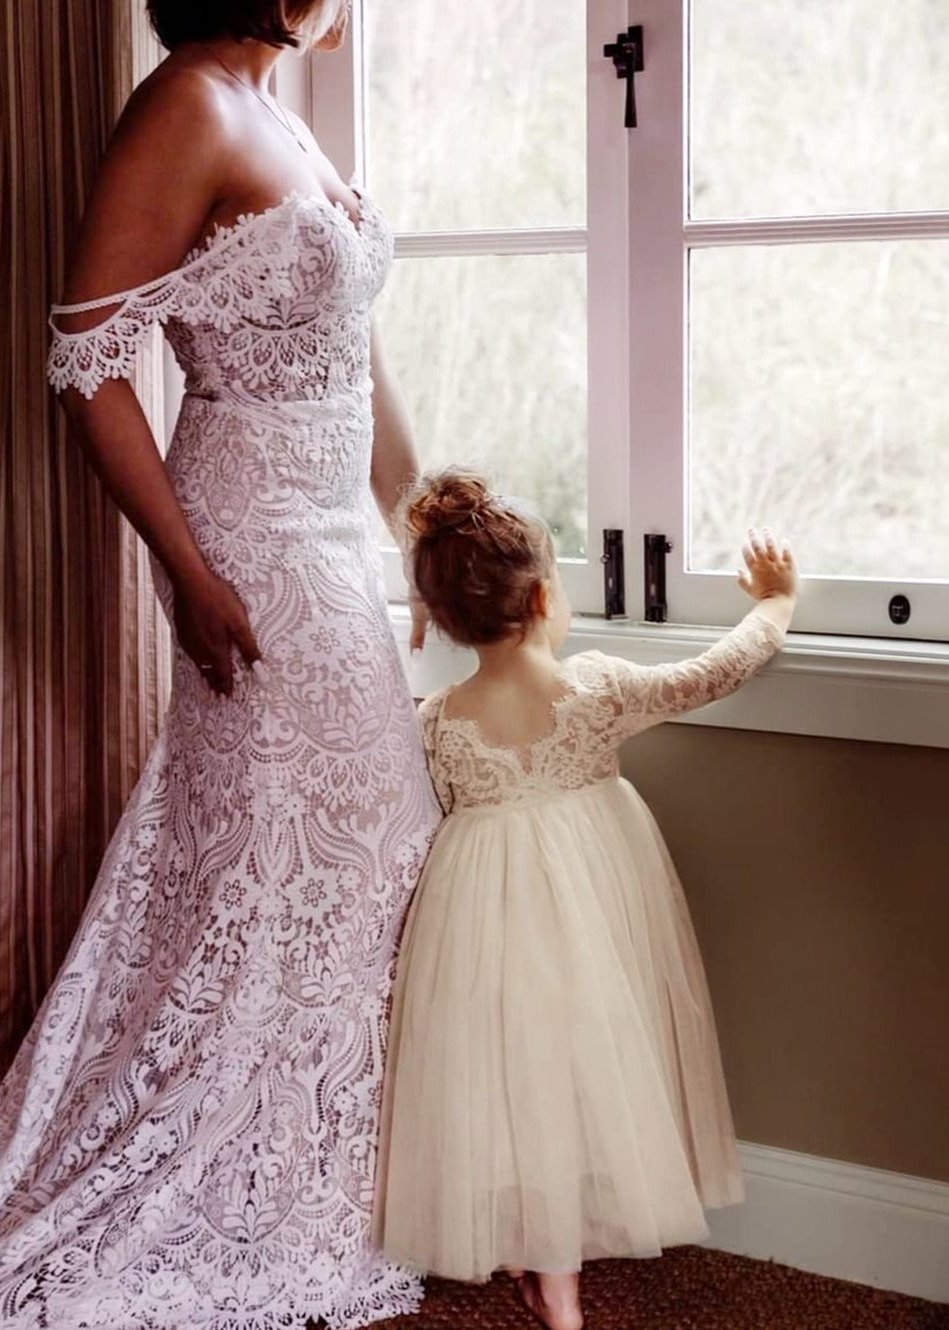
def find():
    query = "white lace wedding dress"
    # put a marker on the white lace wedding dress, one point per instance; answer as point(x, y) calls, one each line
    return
point(188, 1134)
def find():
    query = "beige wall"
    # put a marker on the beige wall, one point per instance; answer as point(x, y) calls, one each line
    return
point(818, 876)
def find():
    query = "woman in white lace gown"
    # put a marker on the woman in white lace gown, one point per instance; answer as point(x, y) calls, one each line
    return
point(188, 1134)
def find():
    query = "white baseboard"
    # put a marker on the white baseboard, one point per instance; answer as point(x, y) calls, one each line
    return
point(843, 1220)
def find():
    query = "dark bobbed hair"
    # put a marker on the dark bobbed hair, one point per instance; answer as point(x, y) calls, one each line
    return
point(271, 21)
point(476, 561)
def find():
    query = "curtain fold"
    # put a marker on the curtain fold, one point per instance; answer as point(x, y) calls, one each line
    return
point(85, 661)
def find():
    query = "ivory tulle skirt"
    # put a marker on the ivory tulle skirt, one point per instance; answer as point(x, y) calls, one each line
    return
point(554, 1091)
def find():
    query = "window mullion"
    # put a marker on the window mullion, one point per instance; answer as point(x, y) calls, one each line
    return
point(607, 300)
point(657, 292)
point(335, 102)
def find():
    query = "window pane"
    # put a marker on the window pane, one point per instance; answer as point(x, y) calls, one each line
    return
point(819, 405)
point(477, 113)
point(823, 106)
point(491, 355)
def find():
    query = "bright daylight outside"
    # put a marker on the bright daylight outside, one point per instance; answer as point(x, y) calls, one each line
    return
point(477, 121)
point(819, 371)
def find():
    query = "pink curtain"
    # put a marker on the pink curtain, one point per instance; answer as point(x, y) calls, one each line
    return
point(83, 673)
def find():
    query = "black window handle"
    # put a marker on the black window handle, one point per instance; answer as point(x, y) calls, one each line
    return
point(627, 55)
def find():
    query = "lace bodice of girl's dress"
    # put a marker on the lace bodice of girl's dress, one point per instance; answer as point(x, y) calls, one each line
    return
point(273, 308)
point(605, 701)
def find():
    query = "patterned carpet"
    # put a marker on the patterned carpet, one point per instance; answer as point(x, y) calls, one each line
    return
point(690, 1288)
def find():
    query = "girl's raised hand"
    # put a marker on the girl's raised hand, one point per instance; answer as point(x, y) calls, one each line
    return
point(769, 567)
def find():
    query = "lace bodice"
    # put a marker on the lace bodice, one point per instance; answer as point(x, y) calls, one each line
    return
point(605, 701)
point(273, 308)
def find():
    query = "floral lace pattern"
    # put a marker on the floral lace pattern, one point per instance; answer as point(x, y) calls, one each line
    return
point(266, 305)
point(606, 700)
point(188, 1134)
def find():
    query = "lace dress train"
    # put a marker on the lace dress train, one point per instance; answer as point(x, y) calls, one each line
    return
point(188, 1134)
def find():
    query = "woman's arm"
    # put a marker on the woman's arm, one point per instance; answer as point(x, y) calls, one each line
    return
point(148, 206)
point(394, 466)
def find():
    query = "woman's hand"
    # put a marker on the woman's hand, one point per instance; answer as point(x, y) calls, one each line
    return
point(420, 621)
point(769, 568)
point(210, 621)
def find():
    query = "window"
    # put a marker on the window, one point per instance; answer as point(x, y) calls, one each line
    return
point(790, 229)
point(504, 315)
point(734, 313)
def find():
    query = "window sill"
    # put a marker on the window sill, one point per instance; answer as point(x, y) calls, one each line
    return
point(874, 689)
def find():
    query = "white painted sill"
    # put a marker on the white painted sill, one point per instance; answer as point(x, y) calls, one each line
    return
point(875, 689)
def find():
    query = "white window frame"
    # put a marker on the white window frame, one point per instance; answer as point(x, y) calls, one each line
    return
point(330, 91)
point(827, 684)
point(661, 239)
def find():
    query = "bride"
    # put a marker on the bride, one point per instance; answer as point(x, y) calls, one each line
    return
point(187, 1136)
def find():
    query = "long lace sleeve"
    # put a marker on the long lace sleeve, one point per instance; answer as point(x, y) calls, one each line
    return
point(107, 350)
point(429, 714)
point(649, 694)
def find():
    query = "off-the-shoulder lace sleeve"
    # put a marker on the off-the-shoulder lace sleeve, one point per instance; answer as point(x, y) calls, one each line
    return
point(429, 714)
point(84, 360)
point(649, 694)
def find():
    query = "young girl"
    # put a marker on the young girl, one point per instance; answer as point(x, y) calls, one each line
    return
point(553, 1090)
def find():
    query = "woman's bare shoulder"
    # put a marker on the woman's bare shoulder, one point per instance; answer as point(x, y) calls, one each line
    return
point(178, 110)
point(156, 184)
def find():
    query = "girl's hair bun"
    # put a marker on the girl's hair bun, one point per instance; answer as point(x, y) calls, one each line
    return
point(447, 501)
point(475, 560)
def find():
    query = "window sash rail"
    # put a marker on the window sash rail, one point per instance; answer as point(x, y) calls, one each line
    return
point(814, 230)
point(543, 240)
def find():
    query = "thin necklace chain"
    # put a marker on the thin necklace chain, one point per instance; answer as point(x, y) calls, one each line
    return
point(282, 119)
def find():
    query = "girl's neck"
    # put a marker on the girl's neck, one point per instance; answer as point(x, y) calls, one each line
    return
point(518, 656)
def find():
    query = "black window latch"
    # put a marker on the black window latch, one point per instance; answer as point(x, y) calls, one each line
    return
point(614, 580)
point(655, 549)
point(627, 55)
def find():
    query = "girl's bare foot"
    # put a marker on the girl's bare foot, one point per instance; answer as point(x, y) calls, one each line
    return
point(553, 1299)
